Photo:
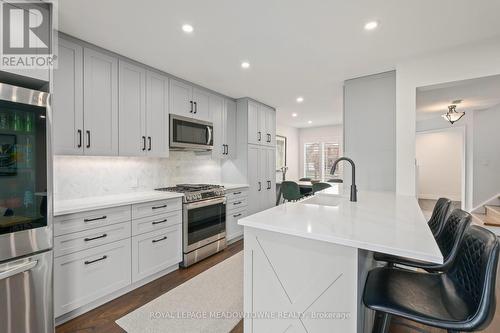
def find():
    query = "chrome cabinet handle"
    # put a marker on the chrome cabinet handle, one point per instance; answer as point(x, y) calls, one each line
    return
point(95, 219)
point(149, 143)
point(94, 238)
point(87, 262)
point(88, 139)
point(209, 130)
point(79, 138)
point(159, 240)
point(158, 222)
point(158, 207)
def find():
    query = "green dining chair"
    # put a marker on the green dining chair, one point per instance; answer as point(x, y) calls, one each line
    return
point(319, 187)
point(290, 191)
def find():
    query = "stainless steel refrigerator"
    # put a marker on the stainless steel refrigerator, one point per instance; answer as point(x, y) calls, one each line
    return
point(25, 211)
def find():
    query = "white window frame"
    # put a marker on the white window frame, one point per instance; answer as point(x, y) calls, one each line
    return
point(322, 157)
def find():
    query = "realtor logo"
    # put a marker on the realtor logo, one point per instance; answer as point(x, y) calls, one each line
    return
point(27, 34)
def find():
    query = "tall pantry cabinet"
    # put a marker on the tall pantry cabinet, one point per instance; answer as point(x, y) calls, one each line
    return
point(255, 163)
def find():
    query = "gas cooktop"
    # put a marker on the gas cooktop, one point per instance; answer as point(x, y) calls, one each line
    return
point(196, 192)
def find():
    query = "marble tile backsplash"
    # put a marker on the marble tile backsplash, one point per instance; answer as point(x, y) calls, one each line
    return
point(87, 176)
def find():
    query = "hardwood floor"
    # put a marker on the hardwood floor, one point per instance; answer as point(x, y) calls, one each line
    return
point(102, 319)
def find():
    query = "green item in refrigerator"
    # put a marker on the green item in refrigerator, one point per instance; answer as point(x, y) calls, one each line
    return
point(29, 122)
point(18, 122)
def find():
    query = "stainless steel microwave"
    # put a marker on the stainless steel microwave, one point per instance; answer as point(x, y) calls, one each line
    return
point(190, 134)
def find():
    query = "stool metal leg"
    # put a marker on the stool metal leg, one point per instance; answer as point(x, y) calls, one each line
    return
point(382, 322)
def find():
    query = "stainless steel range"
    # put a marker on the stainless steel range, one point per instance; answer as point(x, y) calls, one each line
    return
point(204, 220)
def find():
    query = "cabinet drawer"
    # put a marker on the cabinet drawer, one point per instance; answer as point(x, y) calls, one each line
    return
point(87, 239)
point(236, 194)
point(85, 276)
point(156, 222)
point(236, 203)
point(155, 251)
point(66, 224)
point(233, 229)
point(156, 207)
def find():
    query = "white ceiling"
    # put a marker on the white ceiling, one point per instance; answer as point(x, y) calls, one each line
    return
point(477, 94)
point(295, 47)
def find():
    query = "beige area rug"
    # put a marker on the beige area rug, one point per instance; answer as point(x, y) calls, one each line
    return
point(210, 302)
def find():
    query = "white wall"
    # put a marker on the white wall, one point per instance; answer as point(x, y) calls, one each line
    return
point(460, 63)
point(292, 150)
point(486, 154)
point(331, 134)
point(466, 125)
point(439, 157)
point(369, 130)
point(85, 176)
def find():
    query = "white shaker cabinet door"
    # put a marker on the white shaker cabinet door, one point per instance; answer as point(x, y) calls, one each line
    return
point(67, 113)
point(254, 180)
point(132, 109)
point(181, 98)
point(157, 114)
point(254, 131)
point(217, 112)
point(201, 100)
point(230, 129)
point(100, 93)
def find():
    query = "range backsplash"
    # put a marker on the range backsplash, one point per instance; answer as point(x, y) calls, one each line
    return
point(86, 176)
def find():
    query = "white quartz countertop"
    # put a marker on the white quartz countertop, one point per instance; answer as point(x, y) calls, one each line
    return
point(380, 221)
point(229, 186)
point(62, 207)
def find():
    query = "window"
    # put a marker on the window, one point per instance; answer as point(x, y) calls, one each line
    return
point(319, 158)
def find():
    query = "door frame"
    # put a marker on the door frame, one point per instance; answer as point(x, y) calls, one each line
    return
point(462, 130)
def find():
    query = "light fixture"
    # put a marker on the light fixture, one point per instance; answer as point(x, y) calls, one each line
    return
point(245, 64)
point(310, 122)
point(300, 99)
point(371, 25)
point(187, 28)
point(294, 115)
point(452, 115)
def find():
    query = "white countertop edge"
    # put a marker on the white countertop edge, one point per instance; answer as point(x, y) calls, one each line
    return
point(64, 207)
point(346, 242)
point(230, 187)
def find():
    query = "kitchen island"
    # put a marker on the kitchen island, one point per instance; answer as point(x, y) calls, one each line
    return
point(306, 262)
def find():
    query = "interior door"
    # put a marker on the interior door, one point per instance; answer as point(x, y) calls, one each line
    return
point(100, 84)
point(254, 132)
point(201, 100)
point(157, 114)
point(132, 106)
point(68, 100)
point(255, 189)
point(230, 128)
point(181, 98)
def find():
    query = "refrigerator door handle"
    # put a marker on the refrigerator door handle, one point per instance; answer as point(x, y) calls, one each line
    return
point(18, 269)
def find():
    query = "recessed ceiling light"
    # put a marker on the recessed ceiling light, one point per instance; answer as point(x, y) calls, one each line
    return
point(300, 99)
point(187, 28)
point(245, 64)
point(371, 25)
point(294, 115)
point(310, 122)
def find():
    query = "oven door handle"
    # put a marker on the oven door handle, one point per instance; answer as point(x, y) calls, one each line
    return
point(205, 203)
point(18, 269)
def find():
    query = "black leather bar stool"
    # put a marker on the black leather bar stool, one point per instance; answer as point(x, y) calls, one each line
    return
point(460, 300)
point(448, 240)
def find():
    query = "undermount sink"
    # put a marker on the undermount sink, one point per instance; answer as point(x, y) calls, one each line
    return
point(322, 200)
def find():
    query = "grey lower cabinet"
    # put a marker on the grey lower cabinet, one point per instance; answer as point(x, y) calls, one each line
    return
point(143, 108)
point(85, 112)
point(236, 208)
point(101, 254)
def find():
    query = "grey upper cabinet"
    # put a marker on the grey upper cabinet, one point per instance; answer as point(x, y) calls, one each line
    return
point(132, 110)
point(187, 101)
point(157, 122)
point(100, 91)
point(68, 100)
point(270, 125)
point(223, 112)
point(143, 109)
point(261, 124)
point(254, 123)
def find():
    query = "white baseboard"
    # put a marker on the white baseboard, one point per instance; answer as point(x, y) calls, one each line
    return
point(105, 299)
